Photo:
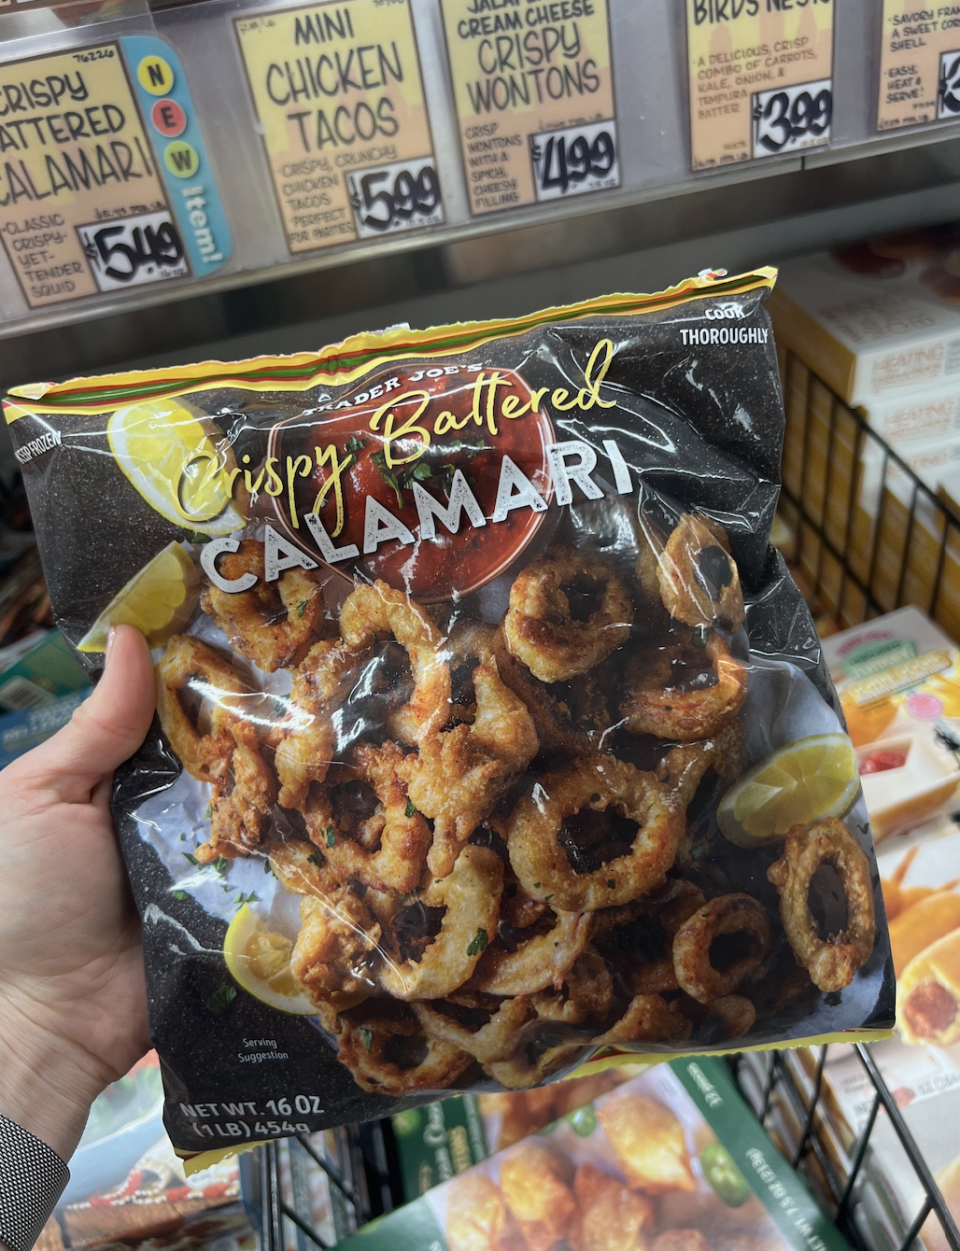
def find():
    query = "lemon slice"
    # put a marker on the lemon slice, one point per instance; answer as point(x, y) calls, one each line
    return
point(159, 601)
point(811, 778)
point(180, 463)
point(259, 961)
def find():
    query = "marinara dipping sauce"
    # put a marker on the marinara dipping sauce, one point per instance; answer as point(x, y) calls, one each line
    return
point(437, 475)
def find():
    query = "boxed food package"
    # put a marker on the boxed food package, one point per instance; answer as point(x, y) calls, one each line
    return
point(443, 1139)
point(878, 319)
point(488, 717)
point(898, 678)
point(670, 1159)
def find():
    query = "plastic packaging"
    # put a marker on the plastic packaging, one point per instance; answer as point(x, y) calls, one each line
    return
point(493, 736)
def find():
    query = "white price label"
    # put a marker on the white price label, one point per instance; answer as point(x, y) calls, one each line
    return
point(580, 158)
point(394, 197)
point(131, 251)
point(948, 92)
point(788, 119)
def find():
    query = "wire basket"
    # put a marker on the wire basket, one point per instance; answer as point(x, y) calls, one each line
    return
point(870, 536)
point(361, 1172)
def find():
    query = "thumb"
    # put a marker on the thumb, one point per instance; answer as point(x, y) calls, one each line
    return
point(107, 728)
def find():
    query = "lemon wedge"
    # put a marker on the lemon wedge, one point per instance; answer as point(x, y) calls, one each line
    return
point(180, 463)
point(159, 601)
point(811, 778)
point(259, 961)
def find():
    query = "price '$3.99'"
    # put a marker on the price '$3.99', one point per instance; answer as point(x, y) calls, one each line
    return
point(787, 119)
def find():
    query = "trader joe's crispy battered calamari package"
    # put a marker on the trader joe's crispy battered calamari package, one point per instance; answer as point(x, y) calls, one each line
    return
point(492, 737)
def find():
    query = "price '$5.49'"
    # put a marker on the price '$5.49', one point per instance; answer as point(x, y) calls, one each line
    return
point(787, 119)
point(580, 158)
point(402, 196)
point(130, 251)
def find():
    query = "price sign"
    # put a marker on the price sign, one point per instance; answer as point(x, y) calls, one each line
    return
point(339, 100)
point(134, 250)
point(533, 86)
point(395, 197)
point(580, 158)
point(104, 179)
point(791, 118)
point(919, 65)
point(75, 153)
point(760, 79)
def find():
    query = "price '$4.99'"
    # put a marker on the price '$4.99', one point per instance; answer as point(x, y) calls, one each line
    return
point(787, 119)
point(580, 158)
point(402, 196)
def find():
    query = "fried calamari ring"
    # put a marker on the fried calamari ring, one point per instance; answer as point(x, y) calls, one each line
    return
point(496, 1040)
point(638, 938)
point(375, 610)
point(528, 1067)
point(648, 1018)
point(727, 915)
point(336, 946)
point(536, 962)
point(831, 961)
point(593, 785)
point(470, 897)
point(734, 1013)
point(572, 721)
point(388, 849)
point(307, 744)
point(587, 991)
point(652, 705)
point(369, 1041)
point(191, 668)
point(698, 578)
point(541, 628)
point(274, 623)
point(242, 798)
point(683, 768)
point(459, 774)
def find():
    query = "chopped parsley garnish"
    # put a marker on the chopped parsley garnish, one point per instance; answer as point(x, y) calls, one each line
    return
point(698, 852)
point(209, 810)
point(316, 857)
point(331, 836)
point(699, 636)
point(478, 943)
point(221, 864)
point(611, 882)
point(411, 809)
point(536, 886)
point(832, 1000)
point(302, 607)
point(193, 859)
point(366, 1037)
point(180, 895)
point(354, 444)
point(221, 999)
point(253, 897)
point(267, 867)
point(400, 480)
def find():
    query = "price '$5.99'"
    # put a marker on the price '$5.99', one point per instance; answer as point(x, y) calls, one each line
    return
point(787, 119)
point(580, 158)
point(402, 196)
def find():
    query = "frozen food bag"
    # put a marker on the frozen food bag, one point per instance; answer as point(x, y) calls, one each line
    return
point(492, 737)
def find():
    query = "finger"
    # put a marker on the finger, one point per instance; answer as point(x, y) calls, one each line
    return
point(106, 729)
